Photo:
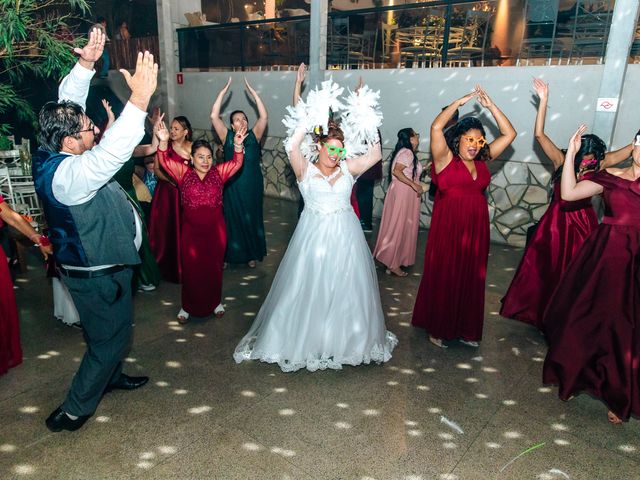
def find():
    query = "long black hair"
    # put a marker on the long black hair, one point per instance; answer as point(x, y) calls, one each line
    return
point(404, 141)
point(459, 129)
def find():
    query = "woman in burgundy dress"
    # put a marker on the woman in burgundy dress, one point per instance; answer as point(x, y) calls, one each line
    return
point(10, 350)
point(203, 234)
point(164, 221)
point(592, 322)
point(560, 232)
point(450, 300)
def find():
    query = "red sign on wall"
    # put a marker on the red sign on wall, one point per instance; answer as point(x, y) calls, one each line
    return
point(179, 78)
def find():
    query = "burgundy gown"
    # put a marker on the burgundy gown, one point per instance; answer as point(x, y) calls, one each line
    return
point(164, 226)
point(203, 234)
point(450, 300)
point(10, 350)
point(592, 323)
point(561, 232)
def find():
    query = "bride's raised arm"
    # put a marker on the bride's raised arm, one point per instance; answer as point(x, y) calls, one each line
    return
point(359, 165)
point(297, 160)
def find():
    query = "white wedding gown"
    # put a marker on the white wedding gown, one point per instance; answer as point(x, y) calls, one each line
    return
point(323, 309)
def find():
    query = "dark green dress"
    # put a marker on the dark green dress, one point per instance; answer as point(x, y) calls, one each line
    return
point(147, 273)
point(243, 204)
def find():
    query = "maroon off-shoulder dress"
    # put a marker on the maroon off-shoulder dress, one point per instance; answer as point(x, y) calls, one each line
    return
point(592, 323)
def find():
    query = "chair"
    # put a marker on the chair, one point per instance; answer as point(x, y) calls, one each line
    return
point(389, 41)
point(469, 43)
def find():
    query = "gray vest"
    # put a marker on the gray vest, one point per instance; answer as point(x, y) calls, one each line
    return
point(106, 227)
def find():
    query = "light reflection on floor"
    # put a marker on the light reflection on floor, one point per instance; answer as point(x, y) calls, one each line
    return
point(203, 416)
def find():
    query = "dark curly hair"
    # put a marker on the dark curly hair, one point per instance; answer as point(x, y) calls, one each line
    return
point(462, 127)
point(590, 145)
point(58, 120)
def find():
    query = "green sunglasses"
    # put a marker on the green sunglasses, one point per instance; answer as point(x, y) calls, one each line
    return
point(333, 150)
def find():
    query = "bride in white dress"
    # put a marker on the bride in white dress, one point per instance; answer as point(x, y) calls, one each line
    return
point(323, 309)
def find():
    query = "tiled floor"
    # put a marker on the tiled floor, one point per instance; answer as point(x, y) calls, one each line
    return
point(427, 414)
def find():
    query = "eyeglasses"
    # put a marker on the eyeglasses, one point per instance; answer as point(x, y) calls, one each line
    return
point(334, 150)
point(480, 141)
point(92, 128)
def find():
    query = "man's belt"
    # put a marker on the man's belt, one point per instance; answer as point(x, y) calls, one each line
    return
point(90, 273)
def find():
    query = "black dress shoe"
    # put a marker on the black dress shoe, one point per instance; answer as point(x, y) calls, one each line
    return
point(59, 420)
point(125, 382)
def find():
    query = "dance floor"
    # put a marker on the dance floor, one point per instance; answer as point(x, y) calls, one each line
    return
point(460, 413)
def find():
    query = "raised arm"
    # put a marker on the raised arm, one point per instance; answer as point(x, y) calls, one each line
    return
point(13, 218)
point(79, 177)
point(611, 159)
point(359, 165)
point(176, 169)
point(228, 169)
point(216, 121)
point(548, 147)
point(507, 132)
point(261, 124)
point(75, 86)
point(440, 152)
point(297, 89)
point(570, 188)
point(110, 115)
point(297, 160)
point(150, 148)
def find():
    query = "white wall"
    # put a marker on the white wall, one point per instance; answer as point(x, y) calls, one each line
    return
point(413, 97)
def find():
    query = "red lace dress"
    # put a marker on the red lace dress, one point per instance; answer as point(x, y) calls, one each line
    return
point(10, 350)
point(203, 235)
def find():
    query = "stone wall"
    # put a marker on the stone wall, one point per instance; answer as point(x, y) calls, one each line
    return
point(518, 194)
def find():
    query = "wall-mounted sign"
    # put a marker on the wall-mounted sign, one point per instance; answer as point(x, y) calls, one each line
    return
point(179, 78)
point(607, 105)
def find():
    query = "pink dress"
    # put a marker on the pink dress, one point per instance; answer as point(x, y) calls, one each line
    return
point(10, 350)
point(396, 244)
point(450, 300)
point(203, 234)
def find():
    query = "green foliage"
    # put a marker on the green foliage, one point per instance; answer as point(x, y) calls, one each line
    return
point(36, 41)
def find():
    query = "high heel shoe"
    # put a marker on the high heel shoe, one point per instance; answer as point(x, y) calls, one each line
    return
point(398, 272)
point(613, 418)
point(437, 342)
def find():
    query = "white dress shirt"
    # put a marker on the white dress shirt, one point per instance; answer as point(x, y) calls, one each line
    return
point(79, 177)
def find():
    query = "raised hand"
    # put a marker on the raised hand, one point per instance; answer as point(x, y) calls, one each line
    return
point(161, 131)
point(249, 87)
point(576, 140)
point(110, 115)
point(239, 137)
point(225, 89)
point(483, 97)
point(144, 80)
point(466, 98)
point(541, 88)
point(360, 85)
point(155, 115)
point(158, 123)
point(302, 73)
point(92, 51)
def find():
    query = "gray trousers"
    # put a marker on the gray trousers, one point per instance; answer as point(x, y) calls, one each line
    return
point(106, 312)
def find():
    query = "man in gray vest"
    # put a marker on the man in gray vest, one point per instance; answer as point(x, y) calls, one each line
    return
point(94, 229)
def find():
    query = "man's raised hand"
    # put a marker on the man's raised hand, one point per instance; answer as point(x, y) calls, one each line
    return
point(144, 80)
